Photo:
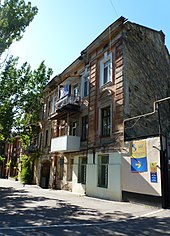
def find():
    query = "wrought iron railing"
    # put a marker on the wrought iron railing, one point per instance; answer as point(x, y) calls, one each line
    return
point(69, 99)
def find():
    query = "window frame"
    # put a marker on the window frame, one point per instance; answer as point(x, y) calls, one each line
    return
point(103, 171)
point(76, 90)
point(46, 138)
point(53, 106)
point(85, 79)
point(107, 59)
point(84, 128)
point(73, 128)
point(108, 123)
point(82, 168)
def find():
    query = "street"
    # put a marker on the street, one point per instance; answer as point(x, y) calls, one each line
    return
point(30, 210)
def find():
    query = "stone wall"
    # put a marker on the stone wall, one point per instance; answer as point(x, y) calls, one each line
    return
point(146, 79)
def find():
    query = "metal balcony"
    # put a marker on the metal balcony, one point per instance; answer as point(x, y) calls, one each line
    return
point(65, 143)
point(68, 103)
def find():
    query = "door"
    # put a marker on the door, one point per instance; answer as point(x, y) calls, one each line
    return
point(45, 174)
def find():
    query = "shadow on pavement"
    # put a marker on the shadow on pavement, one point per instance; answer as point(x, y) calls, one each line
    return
point(18, 209)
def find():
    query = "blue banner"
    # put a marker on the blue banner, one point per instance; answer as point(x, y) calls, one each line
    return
point(138, 164)
point(64, 91)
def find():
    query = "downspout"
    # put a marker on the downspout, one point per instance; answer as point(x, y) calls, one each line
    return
point(162, 153)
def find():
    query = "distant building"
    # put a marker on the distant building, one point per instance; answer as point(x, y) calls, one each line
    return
point(86, 130)
point(12, 156)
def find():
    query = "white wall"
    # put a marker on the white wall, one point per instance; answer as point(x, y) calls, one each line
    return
point(77, 187)
point(141, 182)
point(113, 192)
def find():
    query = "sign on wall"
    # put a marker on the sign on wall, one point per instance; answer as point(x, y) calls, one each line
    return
point(153, 172)
point(138, 156)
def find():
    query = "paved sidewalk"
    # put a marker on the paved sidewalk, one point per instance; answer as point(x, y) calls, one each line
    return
point(113, 209)
point(30, 210)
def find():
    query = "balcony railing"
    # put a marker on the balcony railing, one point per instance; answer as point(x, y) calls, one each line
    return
point(69, 102)
point(65, 143)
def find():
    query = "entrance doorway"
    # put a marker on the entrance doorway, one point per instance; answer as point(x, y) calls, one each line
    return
point(45, 174)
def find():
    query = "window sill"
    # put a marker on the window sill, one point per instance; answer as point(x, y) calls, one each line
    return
point(102, 187)
point(85, 97)
point(81, 183)
point(105, 85)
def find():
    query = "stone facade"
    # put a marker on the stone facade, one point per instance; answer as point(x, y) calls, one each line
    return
point(127, 68)
point(146, 77)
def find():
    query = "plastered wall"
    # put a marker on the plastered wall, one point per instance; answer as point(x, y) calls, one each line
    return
point(141, 182)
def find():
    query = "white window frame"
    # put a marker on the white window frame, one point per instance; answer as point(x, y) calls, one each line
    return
point(82, 170)
point(107, 58)
point(85, 78)
point(103, 169)
point(73, 128)
point(76, 90)
point(53, 107)
point(100, 118)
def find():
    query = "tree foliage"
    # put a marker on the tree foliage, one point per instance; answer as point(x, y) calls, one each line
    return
point(26, 170)
point(1, 160)
point(15, 16)
point(21, 95)
point(21, 87)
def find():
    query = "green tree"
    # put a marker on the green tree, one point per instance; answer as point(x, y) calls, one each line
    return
point(26, 170)
point(21, 96)
point(15, 16)
point(21, 88)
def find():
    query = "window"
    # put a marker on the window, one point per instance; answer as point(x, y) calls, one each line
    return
point(63, 91)
point(49, 107)
point(46, 138)
point(106, 72)
point(42, 113)
point(103, 162)
point(75, 90)
point(85, 86)
point(84, 131)
point(53, 109)
point(106, 69)
point(73, 127)
point(105, 121)
point(82, 170)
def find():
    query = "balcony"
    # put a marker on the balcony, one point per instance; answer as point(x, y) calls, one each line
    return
point(65, 143)
point(68, 103)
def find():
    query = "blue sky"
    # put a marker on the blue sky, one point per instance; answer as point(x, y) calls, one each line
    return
point(63, 28)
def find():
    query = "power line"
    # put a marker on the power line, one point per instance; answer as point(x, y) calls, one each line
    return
point(114, 8)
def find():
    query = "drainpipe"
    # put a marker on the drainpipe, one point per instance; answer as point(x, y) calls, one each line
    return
point(164, 188)
point(163, 165)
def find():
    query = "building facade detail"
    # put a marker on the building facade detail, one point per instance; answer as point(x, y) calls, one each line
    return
point(84, 139)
